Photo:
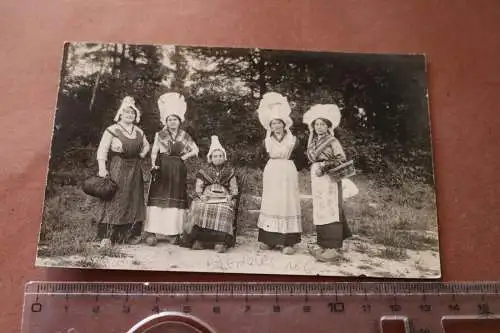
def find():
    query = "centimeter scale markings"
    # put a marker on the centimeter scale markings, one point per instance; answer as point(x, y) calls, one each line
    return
point(369, 307)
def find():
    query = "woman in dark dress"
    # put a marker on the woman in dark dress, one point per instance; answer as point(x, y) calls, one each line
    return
point(123, 146)
point(212, 213)
point(168, 202)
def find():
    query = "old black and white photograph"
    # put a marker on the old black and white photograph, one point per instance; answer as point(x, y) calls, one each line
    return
point(240, 160)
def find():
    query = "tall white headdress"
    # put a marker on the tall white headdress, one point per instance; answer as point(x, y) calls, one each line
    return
point(128, 102)
point(215, 145)
point(330, 112)
point(274, 106)
point(171, 104)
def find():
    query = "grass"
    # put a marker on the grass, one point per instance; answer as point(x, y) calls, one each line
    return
point(69, 227)
point(68, 223)
point(393, 253)
point(398, 218)
point(88, 262)
point(362, 248)
point(112, 252)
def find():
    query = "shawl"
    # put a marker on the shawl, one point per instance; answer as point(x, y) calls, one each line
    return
point(211, 174)
point(181, 144)
point(326, 148)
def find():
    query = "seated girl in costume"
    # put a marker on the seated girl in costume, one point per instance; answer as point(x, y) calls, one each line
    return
point(212, 213)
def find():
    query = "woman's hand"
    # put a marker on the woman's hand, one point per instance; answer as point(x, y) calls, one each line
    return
point(229, 198)
point(103, 173)
point(187, 155)
point(203, 197)
point(155, 167)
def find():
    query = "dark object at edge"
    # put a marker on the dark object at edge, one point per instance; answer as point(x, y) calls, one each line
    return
point(99, 187)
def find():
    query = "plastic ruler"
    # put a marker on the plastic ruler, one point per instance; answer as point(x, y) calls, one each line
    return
point(343, 307)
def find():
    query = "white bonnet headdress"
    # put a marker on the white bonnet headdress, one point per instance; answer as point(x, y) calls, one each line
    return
point(274, 106)
point(171, 104)
point(128, 102)
point(215, 145)
point(330, 112)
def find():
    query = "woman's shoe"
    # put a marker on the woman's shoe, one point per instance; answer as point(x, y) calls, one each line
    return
point(186, 242)
point(329, 255)
point(316, 251)
point(265, 247)
point(151, 240)
point(105, 243)
point(288, 250)
point(220, 248)
point(134, 240)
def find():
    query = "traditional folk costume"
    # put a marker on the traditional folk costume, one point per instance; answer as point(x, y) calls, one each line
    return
point(167, 202)
point(326, 153)
point(280, 221)
point(123, 216)
point(212, 219)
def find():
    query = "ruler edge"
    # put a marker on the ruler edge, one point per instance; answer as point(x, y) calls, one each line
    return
point(265, 288)
point(495, 284)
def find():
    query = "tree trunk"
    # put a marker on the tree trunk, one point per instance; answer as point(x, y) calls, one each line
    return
point(98, 79)
point(180, 73)
point(261, 71)
point(133, 53)
point(123, 59)
point(114, 64)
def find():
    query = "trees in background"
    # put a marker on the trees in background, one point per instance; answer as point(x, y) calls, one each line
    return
point(382, 98)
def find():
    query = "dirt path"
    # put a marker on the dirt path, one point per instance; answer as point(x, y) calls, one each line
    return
point(359, 257)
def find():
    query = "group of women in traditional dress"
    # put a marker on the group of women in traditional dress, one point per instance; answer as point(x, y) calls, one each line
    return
point(280, 220)
point(207, 217)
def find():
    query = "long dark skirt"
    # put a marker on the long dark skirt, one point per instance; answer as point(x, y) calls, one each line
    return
point(119, 233)
point(209, 238)
point(278, 239)
point(332, 235)
point(169, 190)
point(123, 216)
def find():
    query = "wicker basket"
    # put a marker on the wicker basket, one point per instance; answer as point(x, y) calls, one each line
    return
point(345, 170)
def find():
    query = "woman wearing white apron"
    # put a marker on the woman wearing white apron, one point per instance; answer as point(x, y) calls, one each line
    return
point(167, 202)
point(325, 153)
point(280, 220)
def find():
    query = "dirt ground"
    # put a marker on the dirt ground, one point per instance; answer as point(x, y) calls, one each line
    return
point(359, 257)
